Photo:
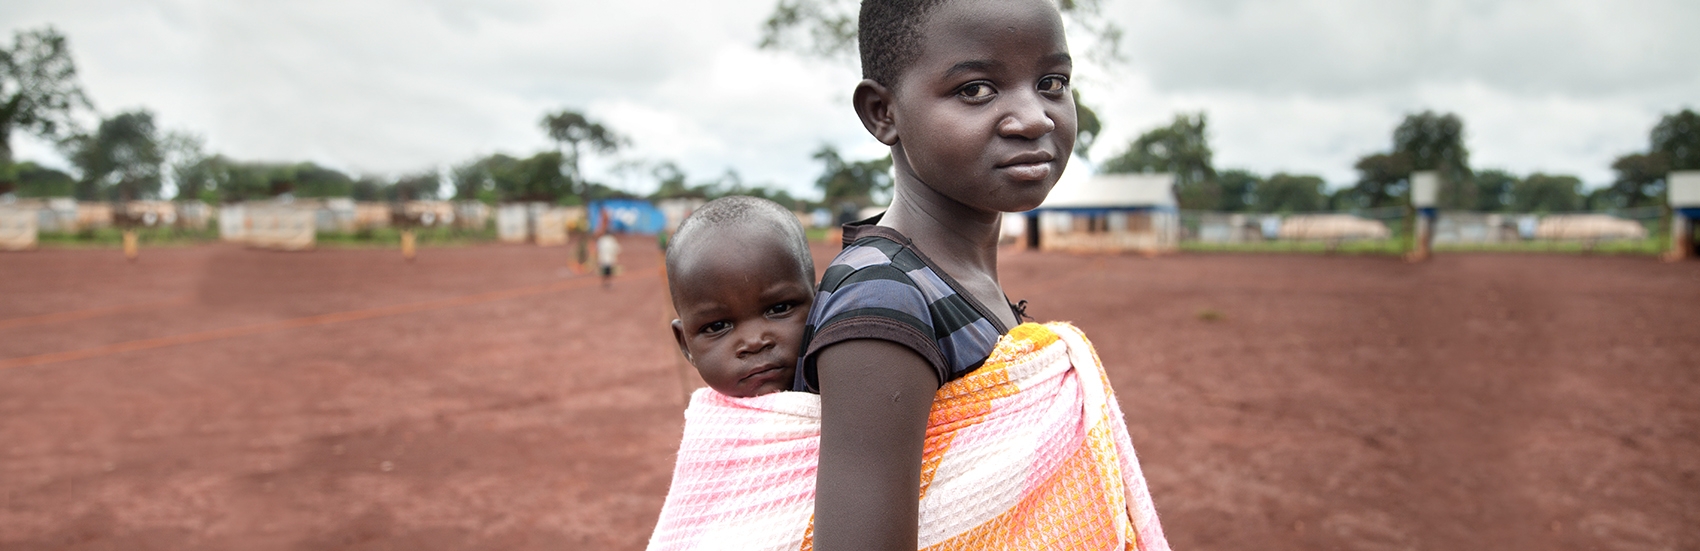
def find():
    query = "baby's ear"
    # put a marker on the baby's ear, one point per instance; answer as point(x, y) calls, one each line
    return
point(679, 337)
point(874, 103)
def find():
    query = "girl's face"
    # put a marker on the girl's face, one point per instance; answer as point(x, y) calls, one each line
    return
point(984, 114)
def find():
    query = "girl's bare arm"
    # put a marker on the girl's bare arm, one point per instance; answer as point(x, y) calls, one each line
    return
point(875, 397)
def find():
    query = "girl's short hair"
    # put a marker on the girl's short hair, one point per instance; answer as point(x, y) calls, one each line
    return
point(888, 34)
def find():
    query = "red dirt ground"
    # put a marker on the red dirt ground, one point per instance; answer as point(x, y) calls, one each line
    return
point(488, 398)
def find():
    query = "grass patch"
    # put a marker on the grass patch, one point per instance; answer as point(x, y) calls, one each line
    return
point(103, 238)
point(1379, 247)
point(1616, 246)
point(1651, 246)
point(391, 238)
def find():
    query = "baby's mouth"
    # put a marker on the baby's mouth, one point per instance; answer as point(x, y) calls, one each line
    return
point(762, 370)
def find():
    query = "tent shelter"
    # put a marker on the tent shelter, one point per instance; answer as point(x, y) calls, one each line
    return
point(18, 230)
point(1331, 227)
point(1107, 213)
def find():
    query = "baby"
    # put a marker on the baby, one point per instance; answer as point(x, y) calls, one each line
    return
point(742, 282)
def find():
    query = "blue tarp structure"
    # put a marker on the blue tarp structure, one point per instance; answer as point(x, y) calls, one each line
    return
point(627, 216)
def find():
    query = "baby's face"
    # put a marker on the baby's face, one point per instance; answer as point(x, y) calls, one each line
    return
point(984, 114)
point(742, 307)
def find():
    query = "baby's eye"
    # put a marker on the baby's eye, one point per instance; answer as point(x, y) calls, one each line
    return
point(716, 327)
point(1053, 83)
point(780, 309)
point(975, 91)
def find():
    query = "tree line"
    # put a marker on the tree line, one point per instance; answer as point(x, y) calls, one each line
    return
point(1422, 141)
point(128, 156)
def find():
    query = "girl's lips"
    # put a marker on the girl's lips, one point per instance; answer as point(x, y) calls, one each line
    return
point(1028, 171)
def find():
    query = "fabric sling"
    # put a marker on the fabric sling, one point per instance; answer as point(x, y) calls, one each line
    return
point(1030, 451)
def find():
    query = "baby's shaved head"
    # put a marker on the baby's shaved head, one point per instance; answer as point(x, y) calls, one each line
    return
point(738, 217)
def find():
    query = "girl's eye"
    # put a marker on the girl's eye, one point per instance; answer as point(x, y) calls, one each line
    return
point(1053, 84)
point(975, 91)
point(716, 327)
point(779, 309)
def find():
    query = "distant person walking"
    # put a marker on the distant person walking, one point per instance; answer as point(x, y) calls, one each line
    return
point(608, 256)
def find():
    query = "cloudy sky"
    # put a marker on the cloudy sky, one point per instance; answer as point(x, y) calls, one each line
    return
point(391, 86)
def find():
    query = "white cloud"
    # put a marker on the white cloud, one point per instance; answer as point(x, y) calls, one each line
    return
point(1290, 85)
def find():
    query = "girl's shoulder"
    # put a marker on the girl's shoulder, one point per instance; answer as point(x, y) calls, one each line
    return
point(880, 287)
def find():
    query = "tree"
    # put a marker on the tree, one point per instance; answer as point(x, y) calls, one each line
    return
point(1547, 193)
point(827, 28)
point(1677, 136)
point(1181, 148)
point(1238, 190)
point(1640, 180)
point(38, 90)
point(1433, 141)
point(369, 188)
point(417, 186)
point(1087, 126)
point(1383, 179)
point(312, 180)
point(574, 129)
point(38, 181)
point(852, 182)
point(671, 180)
point(1288, 193)
point(1494, 190)
point(122, 160)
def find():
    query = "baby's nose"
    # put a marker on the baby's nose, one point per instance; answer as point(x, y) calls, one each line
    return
point(755, 343)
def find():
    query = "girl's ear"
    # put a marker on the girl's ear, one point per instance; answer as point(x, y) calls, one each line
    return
point(874, 104)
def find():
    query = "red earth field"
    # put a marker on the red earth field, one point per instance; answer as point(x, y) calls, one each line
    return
point(489, 398)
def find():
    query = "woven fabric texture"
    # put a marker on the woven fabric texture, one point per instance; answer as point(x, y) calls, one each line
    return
point(1028, 452)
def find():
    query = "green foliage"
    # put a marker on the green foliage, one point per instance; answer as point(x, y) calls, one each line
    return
point(38, 88)
point(1677, 136)
point(1181, 148)
point(1383, 180)
point(416, 186)
point(1088, 126)
point(854, 182)
point(121, 161)
point(1673, 144)
point(506, 178)
point(1237, 190)
point(38, 181)
point(1545, 193)
point(1494, 190)
point(369, 188)
point(1289, 193)
point(821, 28)
point(1433, 141)
point(674, 185)
point(672, 182)
point(573, 129)
point(1640, 180)
point(827, 28)
point(312, 180)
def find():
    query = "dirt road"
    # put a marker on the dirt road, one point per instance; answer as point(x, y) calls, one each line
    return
point(489, 398)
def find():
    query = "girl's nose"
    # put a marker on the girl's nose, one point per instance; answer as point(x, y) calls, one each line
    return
point(1026, 117)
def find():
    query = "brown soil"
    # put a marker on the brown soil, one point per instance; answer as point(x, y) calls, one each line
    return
point(489, 398)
